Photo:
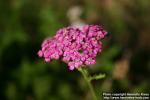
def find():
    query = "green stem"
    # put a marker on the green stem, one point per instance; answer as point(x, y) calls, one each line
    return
point(88, 81)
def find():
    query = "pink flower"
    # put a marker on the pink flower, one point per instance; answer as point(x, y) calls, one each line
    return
point(74, 46)
point(40, 53)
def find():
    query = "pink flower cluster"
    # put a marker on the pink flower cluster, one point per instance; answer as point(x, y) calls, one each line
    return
point(74, 46)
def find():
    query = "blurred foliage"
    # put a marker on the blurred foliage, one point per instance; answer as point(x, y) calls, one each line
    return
point(25, 23)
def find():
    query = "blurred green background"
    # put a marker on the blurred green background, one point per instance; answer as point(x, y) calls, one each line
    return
point(125, 58)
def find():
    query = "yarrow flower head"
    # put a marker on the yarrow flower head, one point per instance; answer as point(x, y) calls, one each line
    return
point(74, 46)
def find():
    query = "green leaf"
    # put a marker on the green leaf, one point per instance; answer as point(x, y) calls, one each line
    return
point(97, 77)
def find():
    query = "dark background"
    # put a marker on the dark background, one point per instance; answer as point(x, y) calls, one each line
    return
point(125, 58)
